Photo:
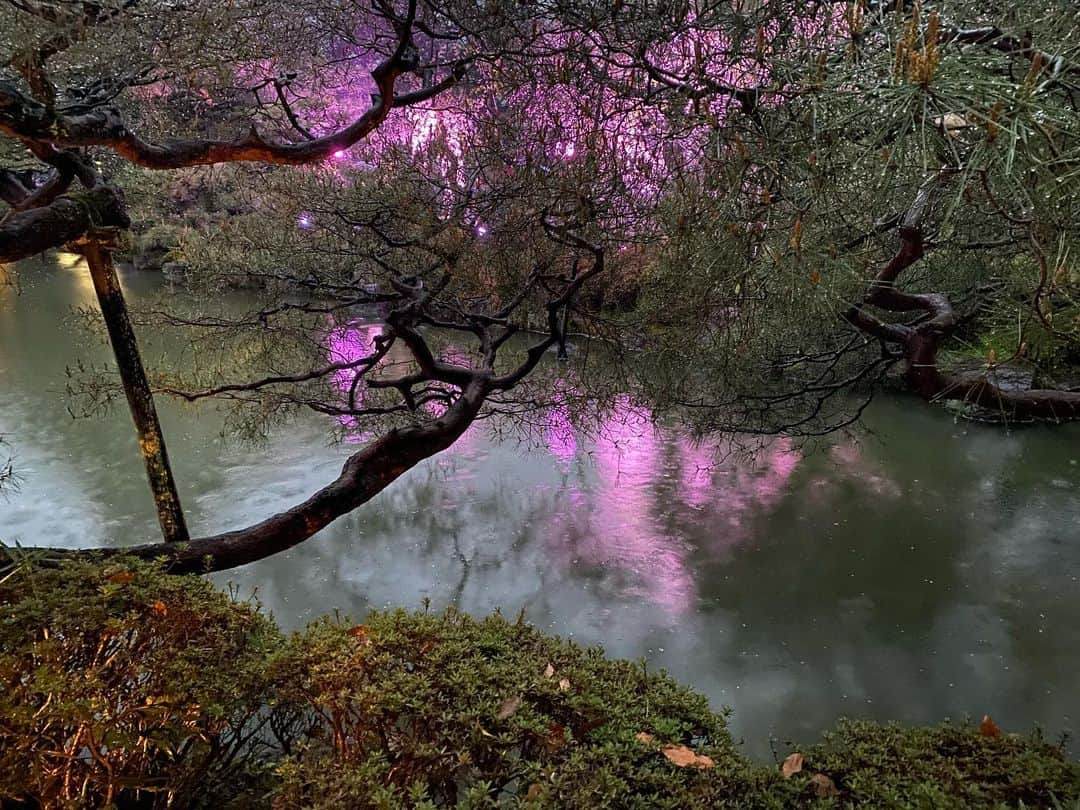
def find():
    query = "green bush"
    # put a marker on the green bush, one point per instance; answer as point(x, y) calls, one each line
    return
point(945, 767)
point(437, 710)
point(124, 687)
point(120, 685)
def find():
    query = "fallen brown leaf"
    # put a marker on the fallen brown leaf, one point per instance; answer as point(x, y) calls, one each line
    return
point(792, 765)
point(508, 707)
point(644, 737)
point(685, 758)
point(535, 789)
point(555, 737)
point(359, 632)
point(988, 728)
point(564, 685)
point(121, 577)
point(823, 786)
point(549, 671)
point(159, 607)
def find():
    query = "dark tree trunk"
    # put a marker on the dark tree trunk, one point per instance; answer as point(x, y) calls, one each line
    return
point(563, 354)
point(137, 388)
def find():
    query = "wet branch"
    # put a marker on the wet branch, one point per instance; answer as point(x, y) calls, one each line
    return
point(920, 341)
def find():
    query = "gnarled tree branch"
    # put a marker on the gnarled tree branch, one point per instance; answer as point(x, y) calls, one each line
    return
point(921, 341)
point(67, 218)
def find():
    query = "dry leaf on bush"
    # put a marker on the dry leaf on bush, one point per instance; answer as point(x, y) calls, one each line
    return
point(685, 758)
point(823, 786)
point(792, 765)
point(508, 707)
point(555, 737)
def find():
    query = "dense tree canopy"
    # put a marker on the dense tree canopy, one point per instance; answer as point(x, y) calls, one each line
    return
point(905, 198)
point(762, 208)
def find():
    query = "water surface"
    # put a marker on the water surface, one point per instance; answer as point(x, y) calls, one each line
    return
point(924, 569)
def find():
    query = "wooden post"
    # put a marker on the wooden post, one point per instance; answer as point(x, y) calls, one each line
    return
point(137, 388)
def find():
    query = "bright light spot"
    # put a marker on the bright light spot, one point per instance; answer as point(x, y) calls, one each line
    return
point(71, 261)
point(340, 154)
point(305, 221)
point(569, 151)
point(481, 230)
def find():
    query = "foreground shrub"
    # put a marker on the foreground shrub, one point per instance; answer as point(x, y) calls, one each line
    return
point(438, 710)
point(121, 685)
point(944, 767)
point(124, 687)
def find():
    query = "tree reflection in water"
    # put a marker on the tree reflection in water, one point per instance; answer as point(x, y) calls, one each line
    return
point(623, 522)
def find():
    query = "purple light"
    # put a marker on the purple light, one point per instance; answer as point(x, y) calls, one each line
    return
point(481, 230)
point(305, 221)
point(634, 141)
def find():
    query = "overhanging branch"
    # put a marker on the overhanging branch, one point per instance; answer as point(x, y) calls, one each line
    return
point(27, 233)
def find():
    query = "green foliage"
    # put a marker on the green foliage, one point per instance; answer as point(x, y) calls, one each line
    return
point(945, 767)
point(752, 293)
point(432, 706)
point(121, 686)
point(123, 681)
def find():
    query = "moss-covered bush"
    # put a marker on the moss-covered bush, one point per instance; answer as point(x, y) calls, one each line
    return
point(949, 766)
point(435, 710)
point(121, 686)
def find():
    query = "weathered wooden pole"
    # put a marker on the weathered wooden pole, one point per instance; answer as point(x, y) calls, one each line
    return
point(137, 388)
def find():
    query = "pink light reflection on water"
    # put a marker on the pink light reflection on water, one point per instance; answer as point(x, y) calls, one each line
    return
point(620, 523)
point(560, 437)
point(347, 344)
point(623, 524)
point(629, 453)
point(748, 485)
point(850, 458)
point(696, 472)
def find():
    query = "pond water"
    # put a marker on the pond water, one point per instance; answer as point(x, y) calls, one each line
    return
point(921, 570)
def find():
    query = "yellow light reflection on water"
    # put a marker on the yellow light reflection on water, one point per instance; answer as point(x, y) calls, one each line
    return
point(71, 265)
point(76, 265)
point(7, 285)
point(69, 261)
